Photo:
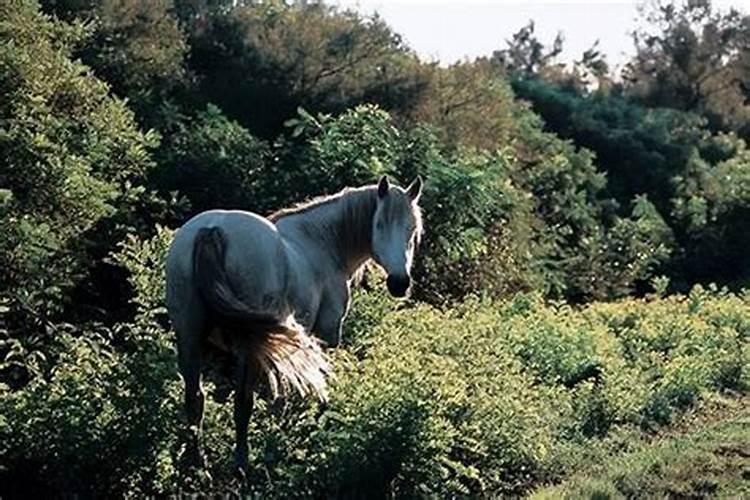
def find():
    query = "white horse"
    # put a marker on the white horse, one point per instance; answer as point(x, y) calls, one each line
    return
point(257, 287)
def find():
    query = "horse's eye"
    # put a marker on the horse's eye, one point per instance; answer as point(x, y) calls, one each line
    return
point(379, 225)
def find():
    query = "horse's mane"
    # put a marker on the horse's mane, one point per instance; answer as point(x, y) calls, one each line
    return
point(353, 203)
point(343, 220)
point(318, 202)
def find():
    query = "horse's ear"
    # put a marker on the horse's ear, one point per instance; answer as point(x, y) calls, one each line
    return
point(415, 188)
point(383, 186)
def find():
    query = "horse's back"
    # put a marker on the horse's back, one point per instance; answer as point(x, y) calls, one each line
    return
point(254, 257)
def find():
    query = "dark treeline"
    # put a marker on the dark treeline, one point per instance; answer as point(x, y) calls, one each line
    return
point(673, 128)
point(119, 117)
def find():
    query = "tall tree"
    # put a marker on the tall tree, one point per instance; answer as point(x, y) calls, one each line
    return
point(469, 105)
point(692, 57)
point(527, 57)
point(526, 54)
point(260, 61)
point(137, 46)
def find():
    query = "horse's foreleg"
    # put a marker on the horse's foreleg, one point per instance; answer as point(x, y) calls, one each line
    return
point(243, 407)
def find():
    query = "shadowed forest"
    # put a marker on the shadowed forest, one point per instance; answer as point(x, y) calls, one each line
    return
point(579, 322)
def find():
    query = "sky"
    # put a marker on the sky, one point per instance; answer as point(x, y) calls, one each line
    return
point(451, 30)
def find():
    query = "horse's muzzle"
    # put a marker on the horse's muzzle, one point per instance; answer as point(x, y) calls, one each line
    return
point(398, 285)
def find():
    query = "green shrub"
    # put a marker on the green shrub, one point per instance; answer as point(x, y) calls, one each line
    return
point(326, 153)
point(101, 422)
point(145, 260)
point(487, 398)
point(72, 156)
point(214, 162)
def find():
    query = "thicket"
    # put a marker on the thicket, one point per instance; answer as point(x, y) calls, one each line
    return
point(120, 119)
point(486, 398)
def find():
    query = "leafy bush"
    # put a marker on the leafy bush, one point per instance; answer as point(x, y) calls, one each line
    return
point(326, 153)
point(489, 398)
point(214, 162)
point(711, 201)
point(617, 261)
point(145, 260)
point(480, 227)
point(96, 403)
point(696, 179)
point(73, 173)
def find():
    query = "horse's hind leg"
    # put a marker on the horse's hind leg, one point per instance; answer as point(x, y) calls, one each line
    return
point(243, 406)
point(190, 368)
point(191, 330)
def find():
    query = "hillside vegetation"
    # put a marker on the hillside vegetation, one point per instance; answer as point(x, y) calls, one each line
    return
point(484, 398)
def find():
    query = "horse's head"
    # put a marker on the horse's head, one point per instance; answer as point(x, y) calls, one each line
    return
point(396, 228)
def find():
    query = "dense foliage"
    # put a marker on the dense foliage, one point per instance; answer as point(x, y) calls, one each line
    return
point(487, 398)
point(120, 119)
point(674, 129)
point(73, 173)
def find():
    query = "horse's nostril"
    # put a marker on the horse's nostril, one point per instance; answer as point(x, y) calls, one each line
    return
point(398, 285)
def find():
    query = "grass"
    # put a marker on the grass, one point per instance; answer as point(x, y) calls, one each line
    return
point(706, 456)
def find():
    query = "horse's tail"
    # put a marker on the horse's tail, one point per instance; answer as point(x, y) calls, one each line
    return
point(280, 347)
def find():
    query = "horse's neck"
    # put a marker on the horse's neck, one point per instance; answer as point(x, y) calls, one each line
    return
point(341, 228)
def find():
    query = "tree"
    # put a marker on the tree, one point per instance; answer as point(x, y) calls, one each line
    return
point(640, 149)
point(468, 104)
point(527, 57)
point(695, 180)
point(260, 62)
point(137, 46)
point(692, 57)
point(710, 208)
point(214, 162)
point(526, 54)
point(73, 158)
